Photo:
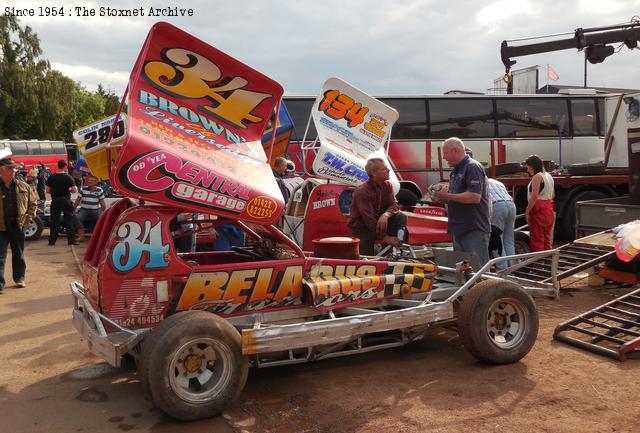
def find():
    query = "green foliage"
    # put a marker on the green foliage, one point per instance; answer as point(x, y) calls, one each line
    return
point(37, 102)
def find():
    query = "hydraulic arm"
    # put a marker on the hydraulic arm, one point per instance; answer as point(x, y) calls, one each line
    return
point(595, 41)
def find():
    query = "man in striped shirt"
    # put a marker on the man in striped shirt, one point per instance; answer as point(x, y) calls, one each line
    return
point(90, 203)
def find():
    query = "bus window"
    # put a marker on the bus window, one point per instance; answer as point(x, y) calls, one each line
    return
point(583, 114)
point(532, 117)
point(300, 110)
point(19, 149)
point(33, 148)
point(464, 118)
point(413, 117)
point(45, 148)
point(601, 116)
point(58, 148)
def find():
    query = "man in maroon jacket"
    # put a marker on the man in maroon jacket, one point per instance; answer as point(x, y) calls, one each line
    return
point(374, 212)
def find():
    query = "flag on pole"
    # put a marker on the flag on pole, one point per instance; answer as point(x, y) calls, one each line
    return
point(553, 76)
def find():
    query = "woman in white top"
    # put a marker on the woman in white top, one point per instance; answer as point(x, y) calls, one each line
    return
point(539, 214)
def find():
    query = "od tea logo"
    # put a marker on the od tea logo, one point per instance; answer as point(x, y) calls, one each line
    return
point(261, 207)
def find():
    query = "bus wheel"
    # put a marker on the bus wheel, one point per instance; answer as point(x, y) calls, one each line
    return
point(33, 230)
point(498, 322)
point(193, 366)
point(567, 224)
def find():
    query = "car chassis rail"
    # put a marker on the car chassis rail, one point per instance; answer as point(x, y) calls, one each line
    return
point(340, 332)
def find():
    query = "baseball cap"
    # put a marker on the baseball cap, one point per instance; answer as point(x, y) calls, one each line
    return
point(7, 162)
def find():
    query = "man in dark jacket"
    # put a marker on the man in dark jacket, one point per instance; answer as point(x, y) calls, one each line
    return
point(60, 185)
point(42, 179)
point(17, 208)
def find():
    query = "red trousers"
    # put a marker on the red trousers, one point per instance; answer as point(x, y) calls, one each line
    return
point(541, 219)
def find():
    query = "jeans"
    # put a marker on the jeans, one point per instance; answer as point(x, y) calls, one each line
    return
point(85, 215)
point(14, 237)
point(504, 217)
point(65, 206)
point(368, 239)
point(473, 241)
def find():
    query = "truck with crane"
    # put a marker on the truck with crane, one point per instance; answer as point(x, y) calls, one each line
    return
point(612, 176)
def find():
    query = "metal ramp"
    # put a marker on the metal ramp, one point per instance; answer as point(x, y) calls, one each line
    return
point(565, 261)
point(612, 329)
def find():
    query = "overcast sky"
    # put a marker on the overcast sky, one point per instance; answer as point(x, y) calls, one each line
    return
point(383, 47)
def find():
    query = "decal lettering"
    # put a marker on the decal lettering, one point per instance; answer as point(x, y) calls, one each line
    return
point(340, 106)
point(337, 167)
point(226, 292)
point(324, 203)
point(137, 243)
point(185, 181)
point(375, 127)
point(261, 207)
point(186, 74)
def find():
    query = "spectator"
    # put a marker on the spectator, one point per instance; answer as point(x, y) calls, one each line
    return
point(90, 204)
point(279, 170)
point(77, 178)
point(42, 179)
point(17, 208)
point(468, 201)
point(60, 185)
point(374, 211)
point(539, 213)
point(503, 216)
point(21, 172)
point(33, 177)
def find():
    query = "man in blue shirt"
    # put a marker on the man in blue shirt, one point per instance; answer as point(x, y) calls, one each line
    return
point(468, 201)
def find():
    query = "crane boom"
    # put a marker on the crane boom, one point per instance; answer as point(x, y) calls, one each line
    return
point(594, 40)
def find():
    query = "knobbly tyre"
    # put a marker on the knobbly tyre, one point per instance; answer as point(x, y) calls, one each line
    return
point(196, 321)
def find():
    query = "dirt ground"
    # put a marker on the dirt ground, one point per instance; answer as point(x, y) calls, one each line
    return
point(50, 382)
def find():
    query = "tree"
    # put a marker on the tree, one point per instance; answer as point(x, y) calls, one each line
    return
point(36, 101)
point(21, 70)
point(111, 100)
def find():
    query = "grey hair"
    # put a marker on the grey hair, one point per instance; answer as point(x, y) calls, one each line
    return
point(455, 143)
point(371, 164)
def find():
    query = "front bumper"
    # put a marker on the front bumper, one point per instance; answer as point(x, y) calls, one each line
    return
point(109, 346)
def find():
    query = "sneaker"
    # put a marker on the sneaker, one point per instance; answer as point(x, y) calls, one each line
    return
point(74, 243)
point(1, 289)
point(20, 284)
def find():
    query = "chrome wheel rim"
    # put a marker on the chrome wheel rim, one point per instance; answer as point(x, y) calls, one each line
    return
point(200, 370)
point(31, 229)
point(506, 323)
